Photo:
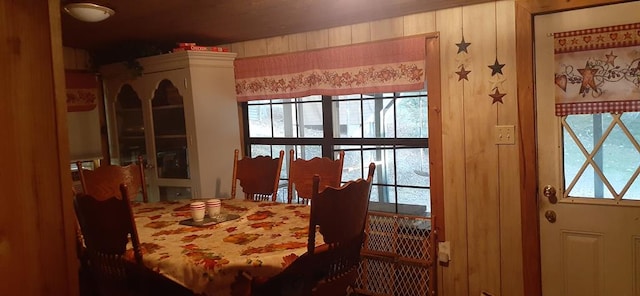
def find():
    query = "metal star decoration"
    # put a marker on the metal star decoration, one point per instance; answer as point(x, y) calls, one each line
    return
point(497, 97)
point(496, 67)
point(463, 74)
point(462, 46)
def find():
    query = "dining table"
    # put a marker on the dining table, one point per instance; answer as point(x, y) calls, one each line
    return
point(207, 259)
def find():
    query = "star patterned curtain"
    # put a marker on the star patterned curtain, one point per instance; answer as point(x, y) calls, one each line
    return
point(375, 67)
point(598, 70)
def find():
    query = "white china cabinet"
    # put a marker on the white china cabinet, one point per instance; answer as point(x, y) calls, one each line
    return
point(181, 115)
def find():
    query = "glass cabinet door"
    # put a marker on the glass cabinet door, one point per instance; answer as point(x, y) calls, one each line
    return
point(170, 133)
point(170, 139)
point(130, 126)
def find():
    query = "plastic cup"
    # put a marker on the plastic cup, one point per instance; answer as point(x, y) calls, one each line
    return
point(197, 210)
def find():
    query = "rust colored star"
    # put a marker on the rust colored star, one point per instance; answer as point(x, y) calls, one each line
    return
point(497, 97)
point(462, 46)
point(463, 74)
point(588, 76)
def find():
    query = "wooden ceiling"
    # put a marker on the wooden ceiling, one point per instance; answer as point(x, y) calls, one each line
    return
point(214, 22)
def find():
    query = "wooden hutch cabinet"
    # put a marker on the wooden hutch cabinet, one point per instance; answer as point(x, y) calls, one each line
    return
point(181, 115)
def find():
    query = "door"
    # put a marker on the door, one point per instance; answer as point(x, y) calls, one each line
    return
point(590, 226)
point(149, 118)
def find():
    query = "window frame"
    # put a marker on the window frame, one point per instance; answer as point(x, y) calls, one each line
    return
point(328, 142)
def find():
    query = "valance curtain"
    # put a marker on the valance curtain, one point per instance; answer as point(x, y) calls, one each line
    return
point(83, 116)
point(384, 66)
point(598, 70)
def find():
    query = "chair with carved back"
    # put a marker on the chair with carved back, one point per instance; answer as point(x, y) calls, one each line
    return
point(104, 181)
point(107, 225)
point(301, 172)
point(329, 269)
point(259, 176)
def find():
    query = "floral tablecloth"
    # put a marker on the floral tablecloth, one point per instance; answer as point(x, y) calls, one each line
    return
point(207, 259)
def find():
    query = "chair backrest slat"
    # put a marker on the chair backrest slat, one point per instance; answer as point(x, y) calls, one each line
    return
point(104, 181)
point(259, 176)
point(301, 172)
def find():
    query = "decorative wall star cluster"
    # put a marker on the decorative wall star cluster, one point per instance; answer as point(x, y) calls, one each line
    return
point(462, 58)
point(496, 80)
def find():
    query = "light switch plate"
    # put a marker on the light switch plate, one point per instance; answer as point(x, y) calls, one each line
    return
point(505, 135)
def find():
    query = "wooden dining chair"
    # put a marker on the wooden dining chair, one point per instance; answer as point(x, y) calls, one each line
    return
point(104, 181)
point(330, 269)
point(301, 172)
point(259, 176)
point(107, 225)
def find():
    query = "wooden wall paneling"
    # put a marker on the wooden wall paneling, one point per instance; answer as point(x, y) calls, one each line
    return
point(277, 45)
point(545, 6)
point(508, 156)
point(37, 254)
point(361, 33)
point(297, 42)
point(481, 153)
point(527, 156)
point(58, 211)
point(339, 36)
point(387, 29)
point(454, 275)
point(238, 48)
point(421, 23)
point(255, 48)
point(318, 39)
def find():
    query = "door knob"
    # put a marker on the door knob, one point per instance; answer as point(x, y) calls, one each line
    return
point(550, 193)
point(550, 215)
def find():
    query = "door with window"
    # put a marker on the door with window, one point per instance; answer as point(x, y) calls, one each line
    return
point(588, 187)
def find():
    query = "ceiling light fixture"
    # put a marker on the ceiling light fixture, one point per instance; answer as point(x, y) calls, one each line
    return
point(88, 12)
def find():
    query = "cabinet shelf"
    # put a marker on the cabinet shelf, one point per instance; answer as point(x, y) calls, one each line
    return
point(131, 137)
point(170, 136)
point(165, 107)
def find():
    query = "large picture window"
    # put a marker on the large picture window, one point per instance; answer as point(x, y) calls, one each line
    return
point(388, 129)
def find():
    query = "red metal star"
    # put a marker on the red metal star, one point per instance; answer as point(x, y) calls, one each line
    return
point(497, 97)
point(463, 74)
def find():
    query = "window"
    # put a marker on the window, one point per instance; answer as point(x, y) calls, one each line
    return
point(601, 156)
point(388, 129)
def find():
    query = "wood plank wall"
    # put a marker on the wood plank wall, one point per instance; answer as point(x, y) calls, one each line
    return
point(37, 250)
point(481, 179)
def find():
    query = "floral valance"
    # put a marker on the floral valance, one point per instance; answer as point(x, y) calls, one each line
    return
point(82, 91)
point(598, 70)
point(385, 66)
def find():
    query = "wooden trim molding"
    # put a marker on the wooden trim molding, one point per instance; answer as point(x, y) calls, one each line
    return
point(547, 6)
point(527, 156)
point(432, 61)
